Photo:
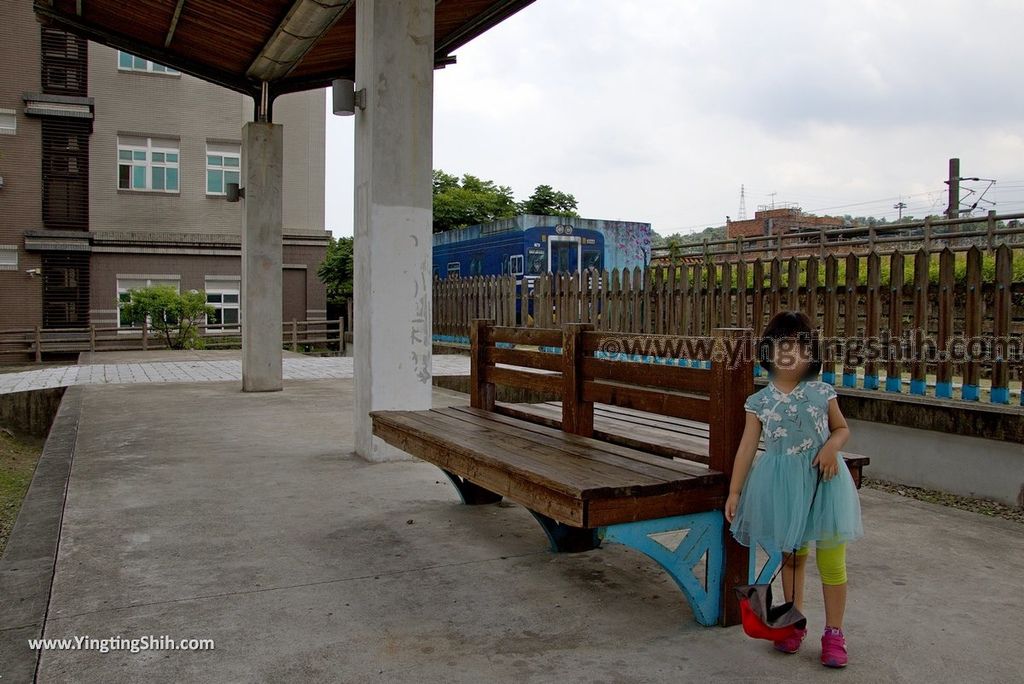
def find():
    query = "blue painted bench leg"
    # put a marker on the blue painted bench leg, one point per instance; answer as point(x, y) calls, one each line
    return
point(704, 540)
point(767, 570)
point(471, 494)
point(566, 539)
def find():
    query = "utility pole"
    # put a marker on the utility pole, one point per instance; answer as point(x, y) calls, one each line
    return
point(901, 205)
point(953, 208)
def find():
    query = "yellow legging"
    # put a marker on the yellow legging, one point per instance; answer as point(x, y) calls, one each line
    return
point(831, 562)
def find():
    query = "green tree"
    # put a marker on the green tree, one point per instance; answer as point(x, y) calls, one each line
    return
point(336, 271)
point(546, 201)
point(170, 314)
point(469, 201)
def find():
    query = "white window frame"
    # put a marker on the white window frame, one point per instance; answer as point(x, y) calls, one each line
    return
point(147, 67)
point(457, 268)
point(148, 162)
point(11, 117)
point(8, 257)
point(124, 290)
point(223, 169)
point(220, 287)
point(512, 267)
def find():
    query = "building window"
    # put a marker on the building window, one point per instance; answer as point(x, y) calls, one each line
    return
point(8, 257)
point(129, 62)
point(147, 164)
point(65, 289)
point(124, 294)
point(222, 295)
point(515, 264)
point(222, 167)
point(65, 167)
point(453, 269)
point(8, 122)
point(64, 63)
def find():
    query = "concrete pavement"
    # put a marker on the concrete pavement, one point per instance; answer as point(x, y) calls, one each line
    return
point(197, 511)
point(205, 366)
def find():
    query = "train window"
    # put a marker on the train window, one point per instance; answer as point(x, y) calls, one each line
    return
point(476, 266)
point(515, 264)
point(454, 271)
point(535, 261)
point(591, 259)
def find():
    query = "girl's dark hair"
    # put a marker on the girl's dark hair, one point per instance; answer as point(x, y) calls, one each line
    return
point(790, 325)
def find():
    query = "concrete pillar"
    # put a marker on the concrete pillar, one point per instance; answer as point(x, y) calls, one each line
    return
point(393, 181)
point(262, 156)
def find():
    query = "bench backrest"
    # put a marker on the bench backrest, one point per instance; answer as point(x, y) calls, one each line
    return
point(601, 367)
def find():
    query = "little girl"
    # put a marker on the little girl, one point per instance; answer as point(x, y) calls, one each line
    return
point(776, 506)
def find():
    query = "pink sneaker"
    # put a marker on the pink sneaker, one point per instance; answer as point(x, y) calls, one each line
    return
point(792, 644)
point(833, 648)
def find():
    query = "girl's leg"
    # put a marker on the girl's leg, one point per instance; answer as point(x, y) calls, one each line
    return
point(793, 587)
point(832, 566)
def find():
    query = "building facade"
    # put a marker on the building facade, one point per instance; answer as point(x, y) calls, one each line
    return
point(780, 221)
point(115, 177)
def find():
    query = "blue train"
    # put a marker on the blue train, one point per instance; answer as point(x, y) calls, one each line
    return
point(528, 246)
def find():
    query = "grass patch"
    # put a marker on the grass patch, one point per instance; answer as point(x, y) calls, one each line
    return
point(18, 458)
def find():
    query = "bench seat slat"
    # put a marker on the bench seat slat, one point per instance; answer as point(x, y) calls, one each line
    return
point(560, 475)
point(495, 476)
point(600, 469)
point(619, 456)
point(550, 467)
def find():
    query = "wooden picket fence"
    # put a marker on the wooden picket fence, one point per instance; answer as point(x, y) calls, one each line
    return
point(848, 298)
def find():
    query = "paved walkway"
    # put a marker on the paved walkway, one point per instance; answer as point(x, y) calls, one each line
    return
point(194, 367)
point(204, 512)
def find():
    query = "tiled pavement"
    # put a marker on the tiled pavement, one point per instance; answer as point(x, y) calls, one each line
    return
point(305, 368)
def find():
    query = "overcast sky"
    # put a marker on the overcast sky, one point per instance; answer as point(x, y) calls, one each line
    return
point(658, 110)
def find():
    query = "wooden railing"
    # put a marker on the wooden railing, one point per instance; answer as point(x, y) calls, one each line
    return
point(932, 235)
point(918, 296)
point(35, 342)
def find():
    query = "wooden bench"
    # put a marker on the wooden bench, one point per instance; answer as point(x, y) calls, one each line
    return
point(585, 483)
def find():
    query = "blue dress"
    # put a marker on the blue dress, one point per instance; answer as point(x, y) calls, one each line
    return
point(775, 508)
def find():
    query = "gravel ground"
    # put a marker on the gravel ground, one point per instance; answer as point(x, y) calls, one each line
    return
point(993, 509)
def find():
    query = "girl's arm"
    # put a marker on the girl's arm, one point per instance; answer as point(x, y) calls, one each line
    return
point(741, 465)
point(828, 456)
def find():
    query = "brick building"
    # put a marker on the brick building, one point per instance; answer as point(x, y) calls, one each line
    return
point(114, 171)
point(780, 221)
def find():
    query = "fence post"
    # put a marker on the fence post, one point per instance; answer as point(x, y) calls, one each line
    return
point(295, 336)
point(92, 337)
point(990, 229)
point(1000, 393)
point(39, 345)
point(927, 234)
point(145, 335)
point(972, 324)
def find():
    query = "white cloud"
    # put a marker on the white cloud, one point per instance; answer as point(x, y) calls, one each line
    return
point(657, 110)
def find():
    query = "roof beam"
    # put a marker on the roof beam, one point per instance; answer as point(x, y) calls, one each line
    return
point(305, 24)
point(174, 23)
point(86, 29)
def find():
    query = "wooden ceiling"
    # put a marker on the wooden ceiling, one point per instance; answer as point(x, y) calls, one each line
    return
point(222, 42)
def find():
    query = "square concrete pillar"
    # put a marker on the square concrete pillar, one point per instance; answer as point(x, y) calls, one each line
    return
point(262, 157)
point(393, 219)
